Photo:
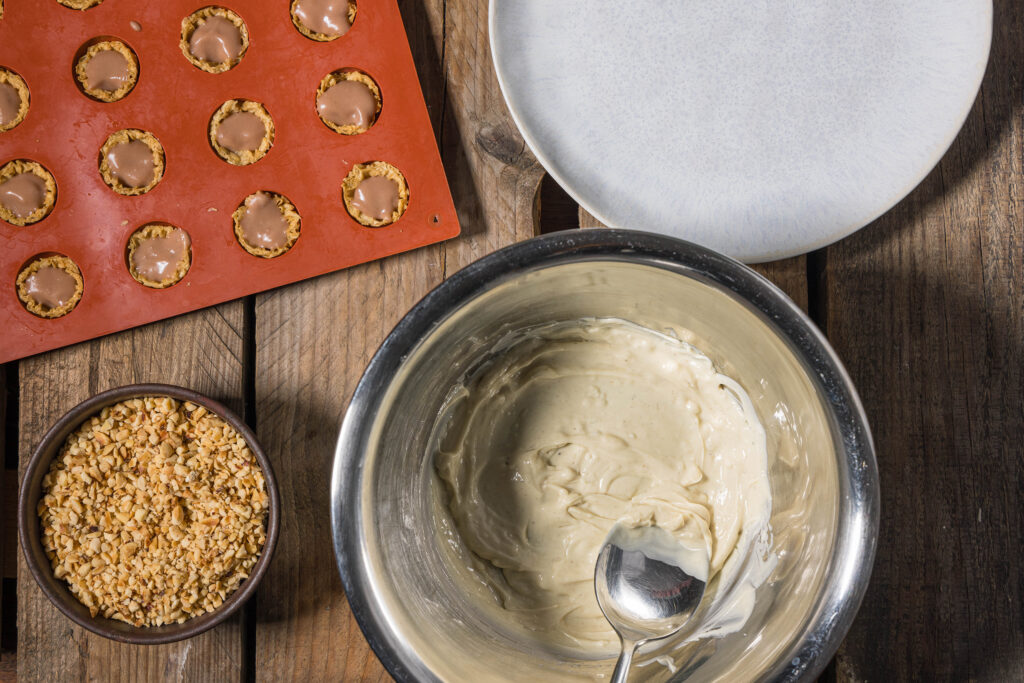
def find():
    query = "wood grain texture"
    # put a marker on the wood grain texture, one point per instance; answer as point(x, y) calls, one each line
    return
point(202, 351)
point(8, 525)
point(925, 308)
point(495, 179)
point(8, 483)
point(314, 339)
point(8, 533)
point(587, 220)
point(789, 275)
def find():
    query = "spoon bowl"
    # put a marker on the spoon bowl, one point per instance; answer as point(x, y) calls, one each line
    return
point(648, 585)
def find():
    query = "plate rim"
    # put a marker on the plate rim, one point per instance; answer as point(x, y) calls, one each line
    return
point(777, 254)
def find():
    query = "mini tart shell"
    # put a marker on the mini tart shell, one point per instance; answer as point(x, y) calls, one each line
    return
point(248, 156)
point(193, 21)
point(56, 261)
point(361, 172)
point(131, 135)
point(18, 83)
point(79, 4)
point(321, 37)
point(157, 230)
point(105, 95)
point(291, 215)
point(17, 167)
point(349, 75)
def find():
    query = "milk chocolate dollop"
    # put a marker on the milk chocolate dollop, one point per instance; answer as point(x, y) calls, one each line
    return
point(377, 197)
point(106, 70)
point(241, 132)
point(329, 17)
point(156, 258)
point(52, 287)
point(347, 103)
point(132, 163)
point(216, 40)
point(23, 194)
point(10, 103)
point(263, 224)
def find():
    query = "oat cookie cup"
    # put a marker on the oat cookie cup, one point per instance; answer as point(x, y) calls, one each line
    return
point(14, 99)
point(241, 132)
point(107, 71)
point(159, 255)
point(79, 4)
point(131, 162)
point(27, 192)
point(50, 286)
point(323, 20)
point(214, 39)
point(349, 109)
point(266, 224)
point(375, 193)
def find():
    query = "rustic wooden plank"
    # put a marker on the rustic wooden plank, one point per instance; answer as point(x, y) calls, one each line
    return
point(587, 220)
point(202, 351)
point(495, 178)
point(925, 309)
point(789, 275)
point(8, 559)
point(8, 524)
point(313, 341)
point(8, 667)
point(8, 505)
point(8, 530)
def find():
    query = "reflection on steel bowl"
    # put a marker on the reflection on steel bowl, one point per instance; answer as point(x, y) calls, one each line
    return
point(404, 569)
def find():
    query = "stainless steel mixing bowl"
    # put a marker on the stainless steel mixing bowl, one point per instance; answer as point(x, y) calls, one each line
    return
point(417, 604)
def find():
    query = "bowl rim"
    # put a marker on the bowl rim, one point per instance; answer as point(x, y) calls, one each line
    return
point(849, 567)
point(56, 589)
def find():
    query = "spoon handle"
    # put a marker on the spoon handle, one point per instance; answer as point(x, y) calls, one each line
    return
point(621, 672)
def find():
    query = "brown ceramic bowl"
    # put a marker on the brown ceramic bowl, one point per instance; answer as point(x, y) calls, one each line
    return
point(57, 590)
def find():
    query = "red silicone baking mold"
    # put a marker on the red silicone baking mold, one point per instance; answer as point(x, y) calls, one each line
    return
point(174, 100)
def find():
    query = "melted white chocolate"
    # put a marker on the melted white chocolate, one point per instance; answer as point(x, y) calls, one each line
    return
point(575, 426)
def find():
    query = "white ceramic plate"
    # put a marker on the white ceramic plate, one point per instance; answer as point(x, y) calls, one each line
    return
point(760, 128)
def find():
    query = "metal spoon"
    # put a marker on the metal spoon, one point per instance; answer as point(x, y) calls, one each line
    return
point(648, 585)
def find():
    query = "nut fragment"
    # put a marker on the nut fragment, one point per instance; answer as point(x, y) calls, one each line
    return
point(153, 512)
point(80, 4)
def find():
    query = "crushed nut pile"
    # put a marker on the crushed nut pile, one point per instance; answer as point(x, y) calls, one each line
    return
point(153, 511)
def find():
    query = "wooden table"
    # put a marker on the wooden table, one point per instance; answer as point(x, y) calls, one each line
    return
point(925, 306)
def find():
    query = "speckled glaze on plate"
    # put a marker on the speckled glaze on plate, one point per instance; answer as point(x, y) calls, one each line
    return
point(759, 129)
